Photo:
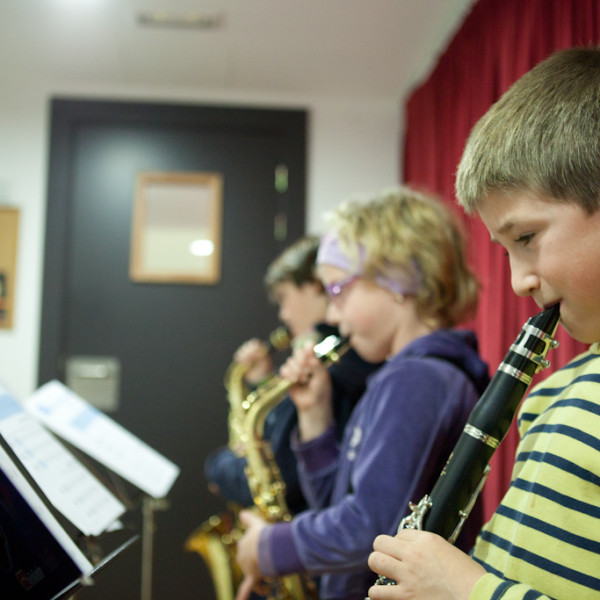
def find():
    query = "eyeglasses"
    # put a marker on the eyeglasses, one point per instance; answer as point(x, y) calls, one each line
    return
point(335, 289)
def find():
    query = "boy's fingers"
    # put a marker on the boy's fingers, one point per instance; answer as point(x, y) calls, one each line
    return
point(394, 545)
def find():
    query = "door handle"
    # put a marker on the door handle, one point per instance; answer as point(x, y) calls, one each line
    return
point(96, 379)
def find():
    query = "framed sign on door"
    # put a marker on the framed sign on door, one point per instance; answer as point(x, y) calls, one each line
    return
point(176, 233)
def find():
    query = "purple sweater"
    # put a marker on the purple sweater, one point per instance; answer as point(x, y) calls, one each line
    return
point(394, 447)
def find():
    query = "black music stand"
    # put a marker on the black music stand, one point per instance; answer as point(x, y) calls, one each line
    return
point(78, 584)
point(33, 563)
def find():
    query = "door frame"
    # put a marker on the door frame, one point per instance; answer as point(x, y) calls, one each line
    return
point(66, 115)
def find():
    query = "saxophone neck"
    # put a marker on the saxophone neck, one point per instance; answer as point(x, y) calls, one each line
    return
point(260, 402)
point(235, 384)
point(264, 478)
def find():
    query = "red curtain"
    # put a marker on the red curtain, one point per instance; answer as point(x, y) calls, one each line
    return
point(498, 42)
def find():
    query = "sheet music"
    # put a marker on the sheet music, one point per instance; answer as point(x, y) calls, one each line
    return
point(53, 526)
point(68, 485)
point(90, 430)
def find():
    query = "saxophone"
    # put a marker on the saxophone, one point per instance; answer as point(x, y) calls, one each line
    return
point(215, 540)
point(445, 509)
point(264, 476)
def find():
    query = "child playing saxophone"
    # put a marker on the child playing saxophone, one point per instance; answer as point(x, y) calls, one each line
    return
point(395, 271)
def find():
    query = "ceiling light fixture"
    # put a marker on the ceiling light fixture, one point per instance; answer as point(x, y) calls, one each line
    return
point(204, 21)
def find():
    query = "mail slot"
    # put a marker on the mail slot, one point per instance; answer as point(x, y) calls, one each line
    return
point(96, 379)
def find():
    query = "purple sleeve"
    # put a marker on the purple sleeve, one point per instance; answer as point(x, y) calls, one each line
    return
point(286, 558)
point(317, 466)
point(399, 441)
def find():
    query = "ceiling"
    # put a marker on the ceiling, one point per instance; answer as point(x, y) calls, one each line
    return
point(330, 48)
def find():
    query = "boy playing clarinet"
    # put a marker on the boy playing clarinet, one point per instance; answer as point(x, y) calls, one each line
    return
point(531, 169)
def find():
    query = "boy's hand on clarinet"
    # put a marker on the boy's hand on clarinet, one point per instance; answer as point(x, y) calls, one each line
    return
point(312, 392)
point(425, 567)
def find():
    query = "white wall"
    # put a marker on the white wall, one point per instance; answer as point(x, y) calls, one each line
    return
point(353, 148)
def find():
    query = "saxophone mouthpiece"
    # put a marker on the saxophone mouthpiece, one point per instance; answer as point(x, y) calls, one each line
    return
point(279, 339)
point(330, 346)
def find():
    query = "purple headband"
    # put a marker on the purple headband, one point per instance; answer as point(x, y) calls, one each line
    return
point(331, 253)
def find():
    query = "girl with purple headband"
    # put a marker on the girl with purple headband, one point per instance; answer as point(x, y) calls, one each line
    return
point(395, 272)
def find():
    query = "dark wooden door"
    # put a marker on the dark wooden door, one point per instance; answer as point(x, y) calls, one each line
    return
point(173, 342)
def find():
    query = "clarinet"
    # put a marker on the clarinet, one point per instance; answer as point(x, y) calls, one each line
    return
point(445, 510)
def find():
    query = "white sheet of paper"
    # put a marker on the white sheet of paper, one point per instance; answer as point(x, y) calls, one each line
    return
point(69, 486)
point(28, 493)
point(90, 430)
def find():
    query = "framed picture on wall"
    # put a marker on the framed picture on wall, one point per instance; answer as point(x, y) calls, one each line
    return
point(9, 229)
point(3, 296)
point(176, 231)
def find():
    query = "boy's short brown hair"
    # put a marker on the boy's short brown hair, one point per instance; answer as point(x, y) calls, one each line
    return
point(296, 264)
point(542, 136)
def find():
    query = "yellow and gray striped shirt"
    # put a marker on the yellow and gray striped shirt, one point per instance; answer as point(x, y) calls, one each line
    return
point(544, 538)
